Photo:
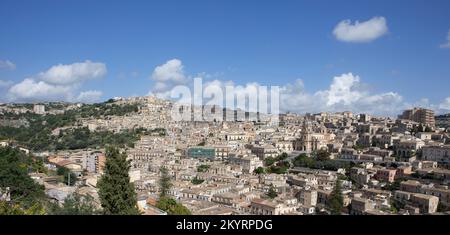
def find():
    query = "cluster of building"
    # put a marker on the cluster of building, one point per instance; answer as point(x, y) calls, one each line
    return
point(384, 152)
point(398, 165)
point(153, 113)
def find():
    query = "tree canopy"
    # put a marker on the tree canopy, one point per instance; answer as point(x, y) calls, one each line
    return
point(165, 202)
point(117, 194)
point(14, 168)
point(35, 132)
point(336, 200)
point(164, 182)
point(76, 204)
point(69, 178)
point(272, 193)
point(259, 170)
point(172, 207)
point(322, 155)
point(304, 161)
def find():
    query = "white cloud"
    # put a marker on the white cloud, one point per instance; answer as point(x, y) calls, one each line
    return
point(167, 76)
point(30, 90)
point(439, 108)
point(446, 44)
point(67, 74)
point(445, 105)
point(172, 70)
point(59, 83)
point(160, 86)
point(343, 89)
point(242, 93)
point(89, 96)
point(366, 31)
point(4, 83)
point(346, 92)
point(6, 64)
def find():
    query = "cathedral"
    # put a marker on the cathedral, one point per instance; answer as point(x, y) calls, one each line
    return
point(312, 138)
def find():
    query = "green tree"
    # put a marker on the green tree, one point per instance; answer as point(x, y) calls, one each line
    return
point(397, 204)
point(69, 178)
point(282, 156)
point(303, 160)
point(259, 170)
point(202, 168)
point(279, 168)
point(441, 207)
point(197, 181)
point(272, 193)
point(9, 208)
point(419, 128)
point(117, 194)
point(203, 143)
point(164, 182)
point(172, 207)
point(76, 204)
point(269, 161)
point(336, 200)
point(14, 168)
point(393, 186)
point(166, 203)
point(323, 155)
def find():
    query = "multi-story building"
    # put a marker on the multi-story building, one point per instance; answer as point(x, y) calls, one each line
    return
point(95, 162)
point(265, 151)
point(421, 115)
point(410, 186)
point(437, 153)
point(427, 203)
point(310, 140)
point(379, 152)
point(364, 140)
point(442, 192)
point(359, 175)
point(39, 109)
point(360, 206)
point(407, 148)
point(221, 151)
point(307, 197)
point(364, 118)
point(387, 175)
point(266, 207)
point(285, 146)
point(248, 163)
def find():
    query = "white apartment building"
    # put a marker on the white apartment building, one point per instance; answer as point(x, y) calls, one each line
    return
point(437, 153)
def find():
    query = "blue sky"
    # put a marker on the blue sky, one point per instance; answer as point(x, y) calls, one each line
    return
point(268, 42)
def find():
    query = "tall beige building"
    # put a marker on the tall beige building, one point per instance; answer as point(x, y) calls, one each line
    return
point(312, 140)
point(39, 109)
point(421, 115)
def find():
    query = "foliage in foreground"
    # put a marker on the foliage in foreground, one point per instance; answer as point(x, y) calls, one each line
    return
point(76, 204)
point(14, 167)
point(172, 207)
point(117, 194)
point(336, 200)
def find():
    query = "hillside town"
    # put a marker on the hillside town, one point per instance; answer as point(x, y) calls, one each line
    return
point(377, 165)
